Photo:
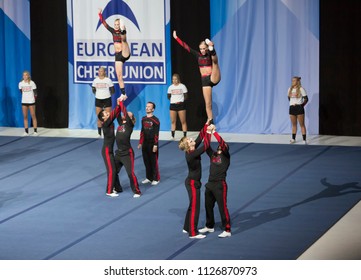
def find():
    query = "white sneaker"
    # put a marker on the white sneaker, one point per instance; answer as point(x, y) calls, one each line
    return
point(136, 195)
point(146, 181)
point(35, 134)
point(25, 134)
point(154, 183)
point(225, 234)
point(198, 236)
point(113, 194)
point(304, 142)
point(206, 229)
point(292, 141)
point(184, 231)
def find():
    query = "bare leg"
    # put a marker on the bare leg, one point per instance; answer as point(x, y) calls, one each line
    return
point(173, 119)
point(119, 70)
point(97, 111)
point(33, 116)
point(301, 121)
point(207, 95)
point(182, 118)
point(294, 124)
point(216, 72)
point(25, 114)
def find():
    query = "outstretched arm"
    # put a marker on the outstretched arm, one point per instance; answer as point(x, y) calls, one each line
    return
point(222, 143)
point(103, 21)
point(184, 44)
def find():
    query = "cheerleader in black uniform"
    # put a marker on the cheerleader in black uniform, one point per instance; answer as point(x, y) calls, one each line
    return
point(193, 181)
point(216, 188)
point(148, 142)
point(124, 156)
point(113, 186)
point(208, 67)
point(121, 47)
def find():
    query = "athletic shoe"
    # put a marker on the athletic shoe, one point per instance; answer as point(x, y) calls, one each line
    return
point(154, 183)
point(117, 191)
point(304, 142)
point(198, 236)
point(25, 134)
point(136, 195)
point(184, 231)
point(146, 181)
point(225, 234)
point(206, 229)
point(292, 141)
point(35, 134)
point(113, 194)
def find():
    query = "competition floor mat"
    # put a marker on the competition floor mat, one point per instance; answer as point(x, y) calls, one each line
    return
point(281, 199)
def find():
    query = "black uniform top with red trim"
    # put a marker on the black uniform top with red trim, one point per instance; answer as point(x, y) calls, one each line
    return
point(193, 157)
point(108, 127)
point(203, 60)
point(124, 131)
point(116, 33)
point(150, 130)
point(219, 162)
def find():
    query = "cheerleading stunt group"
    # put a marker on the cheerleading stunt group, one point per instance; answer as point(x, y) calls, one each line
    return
point(216, 188)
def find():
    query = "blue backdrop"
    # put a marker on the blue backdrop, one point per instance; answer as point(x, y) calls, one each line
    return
point(14, 58)
point(261, 44)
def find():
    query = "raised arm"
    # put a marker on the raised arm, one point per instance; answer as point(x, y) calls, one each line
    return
point(184, 44)
point(104, 22)
point(222, 143)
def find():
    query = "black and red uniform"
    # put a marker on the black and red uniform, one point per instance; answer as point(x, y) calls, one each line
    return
point(124, 156)
point(117, 38)
point(216, 187)
point(203, 61)
point(149, 136)
point(107, 150)
point(193, 182)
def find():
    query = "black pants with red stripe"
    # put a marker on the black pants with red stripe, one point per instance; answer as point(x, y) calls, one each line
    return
point(127, 160)
point(192, 216)
point(217, 192)
point(150, 160)
point(112, 177)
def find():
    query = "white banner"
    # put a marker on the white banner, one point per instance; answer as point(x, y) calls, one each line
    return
point(93, 43)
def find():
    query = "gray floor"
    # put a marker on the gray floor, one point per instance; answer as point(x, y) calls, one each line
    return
point(341, 242)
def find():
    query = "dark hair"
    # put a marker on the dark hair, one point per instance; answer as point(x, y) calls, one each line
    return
point(152, 104)
point(100, 115)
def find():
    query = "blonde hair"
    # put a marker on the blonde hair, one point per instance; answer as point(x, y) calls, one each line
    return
point(183, 144)
point(297, 87)
point(27, 72)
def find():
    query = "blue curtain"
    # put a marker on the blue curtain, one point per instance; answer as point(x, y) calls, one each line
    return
point(14, 58)
point(261, 44)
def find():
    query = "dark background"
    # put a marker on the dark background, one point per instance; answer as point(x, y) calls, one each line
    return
point(340, 62)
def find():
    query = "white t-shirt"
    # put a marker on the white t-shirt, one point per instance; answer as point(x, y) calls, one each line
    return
point(294, 100)
point(102, 87)
point(27, 90)
point(177, 93)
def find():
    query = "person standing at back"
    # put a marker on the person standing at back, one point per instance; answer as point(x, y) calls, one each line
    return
point(177, 94)
point(27, 88)
point(148, 142)
point(298, 100)
point(102, 88)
